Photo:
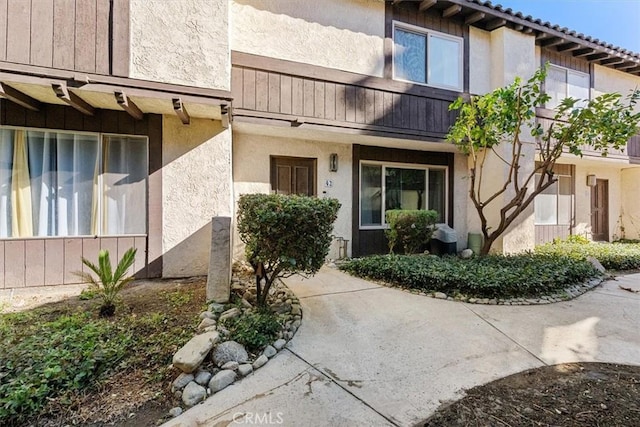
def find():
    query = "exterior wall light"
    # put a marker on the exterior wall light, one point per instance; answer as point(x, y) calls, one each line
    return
point(591, 180)
point(333, 162)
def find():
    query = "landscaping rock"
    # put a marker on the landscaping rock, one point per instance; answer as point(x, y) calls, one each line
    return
point(203, 377)
point(174, 412)
point(206, 323)
point(207, 315)
point(281, 307)
point(466, 254)
point(230, 314)
point(191, 355)
point(216, 307)
point(221, 380)
point(181, 382)
point(260, 361)
point(596, 264)
point(269, 351)
point(193, 394)
point(245, 369)
point(295, 310)
point(245, 303)
point(229, 351)
point(295, 325)
point(440, 295)
point(232, 366)
point(279, 345)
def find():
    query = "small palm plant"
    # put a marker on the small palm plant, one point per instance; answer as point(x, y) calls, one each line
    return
point(108, 283)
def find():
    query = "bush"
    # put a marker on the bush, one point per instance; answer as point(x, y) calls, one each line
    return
point(285, 235)
point(411, 228)
point(616, 256)
point(491, 276)
point(253, 330)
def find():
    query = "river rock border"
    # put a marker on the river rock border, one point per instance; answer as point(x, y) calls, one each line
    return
point(230, 361)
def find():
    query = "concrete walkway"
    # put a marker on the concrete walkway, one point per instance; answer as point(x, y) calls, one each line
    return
point(368, 355)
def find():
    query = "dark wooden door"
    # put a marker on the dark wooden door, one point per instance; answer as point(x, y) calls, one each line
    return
point(293, 175)
point(600, 210)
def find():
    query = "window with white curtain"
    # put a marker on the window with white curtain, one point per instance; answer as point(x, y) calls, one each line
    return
point(563, 83)
point(56, 183)
point(554, 205)
point(427, 57)
point(388, 186)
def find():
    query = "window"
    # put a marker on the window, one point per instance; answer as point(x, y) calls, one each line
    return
point(71, 184)
point(386, 187)
point(427, 57)
point(554, 205)
point(563, 83)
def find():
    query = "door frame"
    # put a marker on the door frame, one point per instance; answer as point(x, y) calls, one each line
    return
point(602, 235)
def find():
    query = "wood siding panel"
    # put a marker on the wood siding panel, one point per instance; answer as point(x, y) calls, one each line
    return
point(565, 60)
point(237, 85)
point(285, 94)
point(3, 29)
point(90, 250)
point(121, 40)
point(262, 91)
point(546, 233)
point(54, 266)
point(102, 37)
point(140, 263)
point(307, 98)
point(14, 256)
point(248, 89)
point(330, 101)
point(34, 263)
point(297, 96)
point(341, 103)
point(42, 33)
point(124, 244)
point(64, 34)
point(72, 259)
point(318, 100)
point(85, 44)
point(274, 93)
point(18, 30)
point(2, 264)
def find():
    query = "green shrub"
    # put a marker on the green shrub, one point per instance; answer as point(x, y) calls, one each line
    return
point(285, 235)
point(108, 283)
point(612, 256)
point(254, 330)
point(491, 276)
point(40, 361)
point(574, 238)
point(411, 228)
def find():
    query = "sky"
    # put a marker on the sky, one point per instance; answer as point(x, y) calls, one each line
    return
point(612, 21)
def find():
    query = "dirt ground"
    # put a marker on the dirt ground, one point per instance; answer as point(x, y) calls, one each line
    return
point(576, 395)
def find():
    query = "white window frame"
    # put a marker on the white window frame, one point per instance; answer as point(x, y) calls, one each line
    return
point(412, 166)
point(428, 34)
point(101, 138)
point(573, 200)
point(567, 72)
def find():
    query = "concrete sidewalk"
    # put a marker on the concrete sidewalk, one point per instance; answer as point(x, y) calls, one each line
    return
point(371, 355)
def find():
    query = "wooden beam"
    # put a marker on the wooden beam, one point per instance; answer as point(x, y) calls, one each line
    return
point(583, 52)
point(597, 56)
point(396, 1)
point(63, 93)
point(128, 105)
point(528, 30)
point(426, 4)
point(552, 42)
point(451, 11)
point(518, 27)
point(474, 17)
point(627, 65)
point(542, 36)
point(611, 61)
point(495, 24)
point(634, 70)
point(181, 111)
point(224, 116)
point(19, 98)
point(568, 47)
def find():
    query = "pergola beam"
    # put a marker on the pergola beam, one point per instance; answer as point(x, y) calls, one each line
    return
point(426, 4)
point(451, 11)
point(181, 111)
point(63, 93)
point(128, 105)
point(474, 17)
point(19, 98)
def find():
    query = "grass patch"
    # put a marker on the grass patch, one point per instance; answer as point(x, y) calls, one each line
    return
point(613, 256)
point(55, 356)
point(493, 276)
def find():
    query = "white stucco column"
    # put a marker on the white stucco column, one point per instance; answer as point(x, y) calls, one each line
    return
point(630, 205)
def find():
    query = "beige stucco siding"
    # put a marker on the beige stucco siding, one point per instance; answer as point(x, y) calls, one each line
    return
point(342, 34)
point(479, 61)
point(196, 185)
point(251, 172)
point(630, 203)
point(182, 42)
point(606, 80)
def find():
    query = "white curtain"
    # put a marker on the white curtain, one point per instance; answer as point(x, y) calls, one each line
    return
point(6, 166)
point(125, 185)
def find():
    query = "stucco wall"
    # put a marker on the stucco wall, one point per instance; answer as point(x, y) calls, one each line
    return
point(342, 34)
point(183, 42)
point(479, 61)
point(607, 80)
point(251, 173)
point(630, 205)
point(462, 219)
point(196, 185)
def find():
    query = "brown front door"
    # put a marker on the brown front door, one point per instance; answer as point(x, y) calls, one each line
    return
point(600, 210)
point(293, 175)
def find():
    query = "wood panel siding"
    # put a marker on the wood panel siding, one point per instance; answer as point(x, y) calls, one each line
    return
point(52, 261)
point(339, 99)
point(566, 60)
point(546, 233)
point(368, 242)
point(89, 36)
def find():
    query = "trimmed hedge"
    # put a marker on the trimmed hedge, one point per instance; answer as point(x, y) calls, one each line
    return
point(492, 276)
point(613, 256)
point(410, 228)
